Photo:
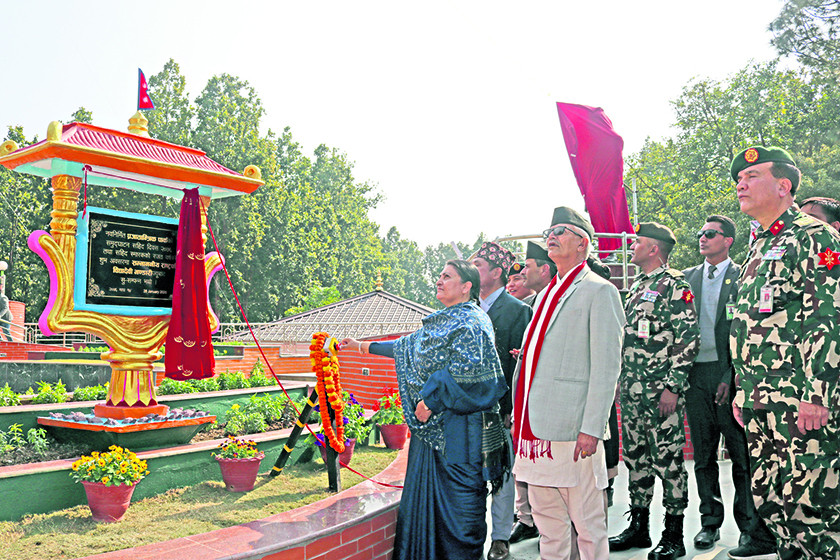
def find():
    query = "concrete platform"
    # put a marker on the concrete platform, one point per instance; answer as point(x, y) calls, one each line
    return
point(617, 521)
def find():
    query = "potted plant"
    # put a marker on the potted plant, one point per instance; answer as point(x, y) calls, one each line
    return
point(239, 461)
point(109, 479)
point(356, 428)
point(389, 417)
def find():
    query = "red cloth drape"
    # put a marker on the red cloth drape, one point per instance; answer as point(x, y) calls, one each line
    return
point(595, 152)
point(189, 349)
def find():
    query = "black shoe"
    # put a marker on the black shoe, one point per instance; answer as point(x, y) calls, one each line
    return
point(706, 538)
point(744, 539)
point(671, 545)
point(522, 532)
point(637, 535)
point(752, 552)
point(499, 550)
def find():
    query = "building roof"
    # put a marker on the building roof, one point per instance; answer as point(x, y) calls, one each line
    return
point(370, 315)
point(123, 159)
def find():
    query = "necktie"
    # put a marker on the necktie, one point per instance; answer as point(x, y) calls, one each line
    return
point(712, 269)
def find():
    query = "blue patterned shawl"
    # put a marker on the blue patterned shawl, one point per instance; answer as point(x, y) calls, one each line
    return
point(459, 340)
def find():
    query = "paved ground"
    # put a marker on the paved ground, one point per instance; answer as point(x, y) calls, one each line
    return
point(729, 534)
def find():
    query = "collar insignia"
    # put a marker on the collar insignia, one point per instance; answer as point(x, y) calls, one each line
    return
point(778, 226)
point(829, 258)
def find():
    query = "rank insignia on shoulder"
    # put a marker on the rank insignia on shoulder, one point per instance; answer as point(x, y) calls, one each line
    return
point(829, 258)
point(687, 296)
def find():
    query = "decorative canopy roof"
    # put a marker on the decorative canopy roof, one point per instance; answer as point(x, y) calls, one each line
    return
point(128, 160)
point(370, 315)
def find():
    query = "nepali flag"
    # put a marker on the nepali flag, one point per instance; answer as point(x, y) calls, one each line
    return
point(595, 153)
point(144, 100)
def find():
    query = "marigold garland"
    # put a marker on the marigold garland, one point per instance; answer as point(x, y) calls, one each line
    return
point(325, 368)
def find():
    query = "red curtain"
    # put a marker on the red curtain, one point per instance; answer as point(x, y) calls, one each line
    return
point(595, 152)
point(189, 349)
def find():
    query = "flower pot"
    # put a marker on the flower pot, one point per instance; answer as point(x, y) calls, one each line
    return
point(240, 475)
point(345, 455)
point(108, 503)
point(394, 435)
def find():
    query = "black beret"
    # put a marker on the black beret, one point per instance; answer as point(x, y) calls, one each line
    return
point(565, 215)
point(536, 251)
point(759, 154)
point(656, 231)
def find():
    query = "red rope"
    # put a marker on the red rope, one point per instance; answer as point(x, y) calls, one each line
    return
point(251, 330)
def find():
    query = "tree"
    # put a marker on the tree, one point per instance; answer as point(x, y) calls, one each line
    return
point(171, 119)
point(810, 31)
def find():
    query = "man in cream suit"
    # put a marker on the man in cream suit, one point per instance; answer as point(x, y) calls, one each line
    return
point(563, 390)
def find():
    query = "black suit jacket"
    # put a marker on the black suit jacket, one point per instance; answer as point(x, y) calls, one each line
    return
point(510, 317)
point(728, 293)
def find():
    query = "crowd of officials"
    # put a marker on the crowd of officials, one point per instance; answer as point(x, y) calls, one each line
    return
point(518, 386)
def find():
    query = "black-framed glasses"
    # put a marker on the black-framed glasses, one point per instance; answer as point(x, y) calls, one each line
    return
point(558, 231)
point(708, 233)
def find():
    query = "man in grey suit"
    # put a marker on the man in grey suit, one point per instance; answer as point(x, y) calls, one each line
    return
point(563, 390)
point(708, 397)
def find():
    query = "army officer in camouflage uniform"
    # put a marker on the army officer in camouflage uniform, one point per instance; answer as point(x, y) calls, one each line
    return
point(786, 354)
point(661, 340)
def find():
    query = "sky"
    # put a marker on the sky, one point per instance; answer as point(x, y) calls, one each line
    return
point(446, 107)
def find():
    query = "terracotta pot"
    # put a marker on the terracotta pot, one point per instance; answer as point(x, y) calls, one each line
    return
point(345, 455)
point(240, 475)
point(108, 503)
point(394, 435)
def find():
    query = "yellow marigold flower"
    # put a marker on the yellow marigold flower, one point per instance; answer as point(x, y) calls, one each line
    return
point(101, 462)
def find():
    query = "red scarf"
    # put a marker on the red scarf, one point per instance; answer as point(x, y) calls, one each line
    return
point(524, 440)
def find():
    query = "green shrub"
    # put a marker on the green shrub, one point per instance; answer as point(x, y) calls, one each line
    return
point(259, 377)
point(97, 349)
point(205, 385)
point(37, 438)
point(270, 407)
point(239, 422)
point(95, 393)
point(233, 380)
point(8, 397)
point(50, 394)
point(175, 387)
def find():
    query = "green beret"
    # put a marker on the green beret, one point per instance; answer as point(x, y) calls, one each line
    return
point(516, 268)
point(536, 252)
point(656, 231)
point(759, 154)
point(565, 215)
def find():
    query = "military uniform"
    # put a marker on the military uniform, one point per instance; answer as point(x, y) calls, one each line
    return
point(786, 349)
point(661, 340)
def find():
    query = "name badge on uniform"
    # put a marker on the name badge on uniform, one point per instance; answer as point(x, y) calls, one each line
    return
point(650, 295)
point(644, 328)
point(730, 311)
point(765, 299)
point(774, 254)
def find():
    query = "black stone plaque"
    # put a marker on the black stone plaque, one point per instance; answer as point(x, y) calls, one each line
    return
point(131, 261)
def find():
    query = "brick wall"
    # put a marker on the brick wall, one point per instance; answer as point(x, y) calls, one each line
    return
point(19, 351)
point(369, 540)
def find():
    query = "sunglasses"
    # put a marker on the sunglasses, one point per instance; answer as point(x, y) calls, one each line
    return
point(558, 231)
point(708, 233)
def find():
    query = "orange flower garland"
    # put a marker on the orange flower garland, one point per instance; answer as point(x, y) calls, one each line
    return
point(325, 368)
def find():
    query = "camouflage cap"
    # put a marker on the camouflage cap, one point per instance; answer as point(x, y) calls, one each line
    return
point(496, 255)
point(536, 251)
point(565, 215)
point(758, 154)
point(656, 231)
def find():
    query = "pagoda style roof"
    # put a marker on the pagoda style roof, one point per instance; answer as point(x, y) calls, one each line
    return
point(129, 160)
point(370, 315)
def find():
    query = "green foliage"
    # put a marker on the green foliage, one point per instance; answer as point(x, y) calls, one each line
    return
point(810, 31)
point(50, 394)
point(94, 393)
point(239, 421)
point(270, 407)
point(175, 387)
point(97, 349)
point(356, 426)
point(14, 440)
point(232, 380)
point(207, 385)
point(37, 439)
point(8, 397)
point(318, 297)
point(389, 408)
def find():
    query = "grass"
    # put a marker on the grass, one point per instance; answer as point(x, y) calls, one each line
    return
point(71, 533)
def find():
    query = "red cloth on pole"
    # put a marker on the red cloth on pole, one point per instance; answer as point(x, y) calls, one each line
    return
point(595, 152)
point(189, 348)
point(144, 100)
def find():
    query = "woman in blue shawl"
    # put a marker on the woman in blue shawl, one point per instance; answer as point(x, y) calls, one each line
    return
point(450, 382)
